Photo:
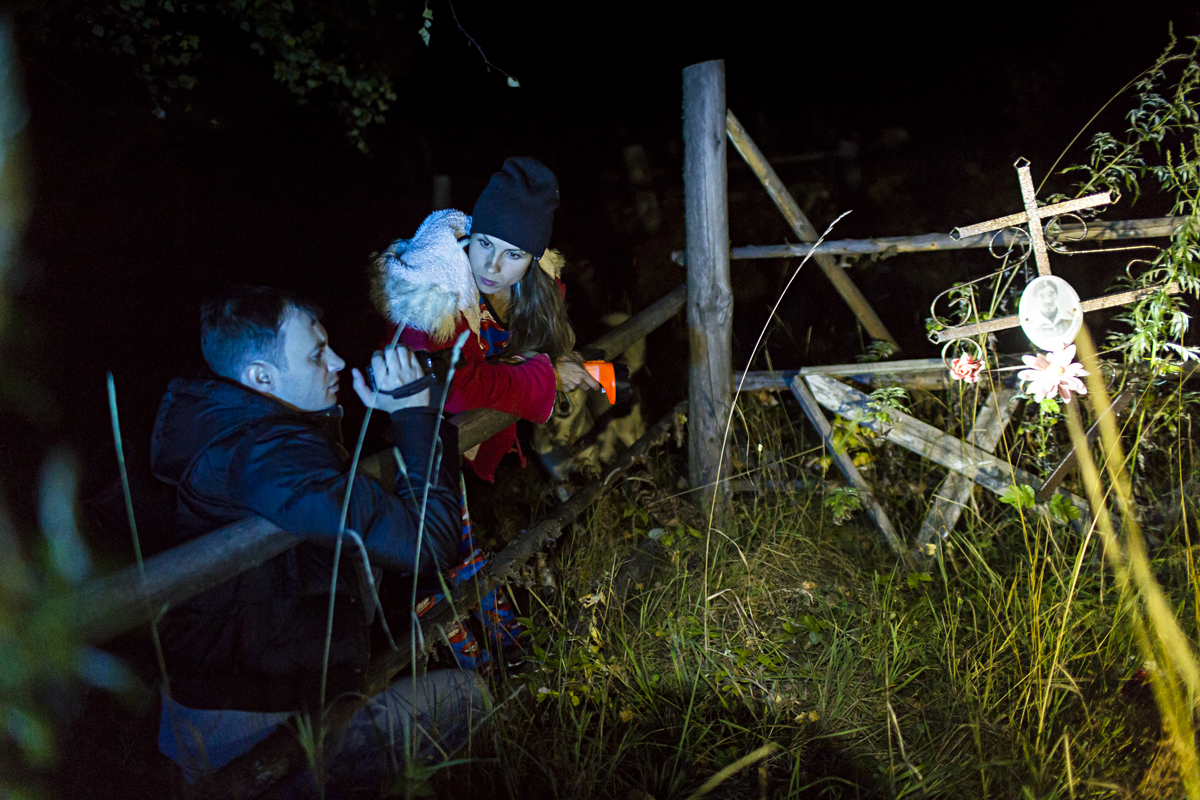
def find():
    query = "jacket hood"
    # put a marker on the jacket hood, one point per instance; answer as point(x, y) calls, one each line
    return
point(425, 282)
point(195, 413)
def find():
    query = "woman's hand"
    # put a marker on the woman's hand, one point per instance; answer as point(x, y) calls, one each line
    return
point(569, 374)
point(393, 367)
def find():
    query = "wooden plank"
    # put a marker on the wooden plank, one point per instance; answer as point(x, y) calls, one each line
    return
point(916, 373)
point(990, 472)
point(710, 297)
point(1096, 230)
point(846, 466)
point(955, 490)
point(804, 229)
point(1068, 463)
point(113, 604)
point(921, 438)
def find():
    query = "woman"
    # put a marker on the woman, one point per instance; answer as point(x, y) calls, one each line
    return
point(504, 288)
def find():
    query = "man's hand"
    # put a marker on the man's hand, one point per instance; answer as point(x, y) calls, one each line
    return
point(570, 375)
point(393, 367)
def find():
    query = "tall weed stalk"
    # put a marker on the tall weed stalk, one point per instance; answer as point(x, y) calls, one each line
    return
point(1174, 667)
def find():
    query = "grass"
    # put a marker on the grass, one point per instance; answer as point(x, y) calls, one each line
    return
point(810, 667)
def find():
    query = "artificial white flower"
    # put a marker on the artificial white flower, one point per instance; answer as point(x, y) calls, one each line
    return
point(1052, 374)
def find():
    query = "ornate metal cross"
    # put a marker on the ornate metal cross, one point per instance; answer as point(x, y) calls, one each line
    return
point(1032, 217)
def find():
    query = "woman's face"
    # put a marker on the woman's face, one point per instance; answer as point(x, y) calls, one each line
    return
point(495, 263)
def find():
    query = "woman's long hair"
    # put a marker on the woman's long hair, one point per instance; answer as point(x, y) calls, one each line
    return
point(537, 315)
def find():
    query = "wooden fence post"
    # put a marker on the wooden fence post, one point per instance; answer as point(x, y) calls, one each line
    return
point(710, 300)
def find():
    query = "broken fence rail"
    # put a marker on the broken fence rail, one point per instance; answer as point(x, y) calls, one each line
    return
point(917, 373)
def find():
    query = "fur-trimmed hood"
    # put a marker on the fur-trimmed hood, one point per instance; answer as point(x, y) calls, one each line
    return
point(425, 282)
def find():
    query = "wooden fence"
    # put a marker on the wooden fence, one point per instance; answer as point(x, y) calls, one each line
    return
point(112, 604)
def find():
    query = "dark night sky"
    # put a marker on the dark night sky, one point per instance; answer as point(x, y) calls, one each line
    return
point(136, 219)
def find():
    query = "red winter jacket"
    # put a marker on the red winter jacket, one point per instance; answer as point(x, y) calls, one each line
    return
point(526, 389)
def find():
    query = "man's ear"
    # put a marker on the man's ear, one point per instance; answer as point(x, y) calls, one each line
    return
point(259, 376)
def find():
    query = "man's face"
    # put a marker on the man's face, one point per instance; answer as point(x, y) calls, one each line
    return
point(495, 263)
point(310, 382)
point(1048, 301)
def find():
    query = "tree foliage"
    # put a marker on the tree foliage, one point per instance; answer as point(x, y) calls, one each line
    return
point(1160, 146)
point(320, 51)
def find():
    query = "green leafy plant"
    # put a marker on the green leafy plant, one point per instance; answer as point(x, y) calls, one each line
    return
point(842, 502)
point(1062, 509)
point(1161, 143)
point(1040, 429)
point(878, 350)
point(1019, 496)
point(882, 402)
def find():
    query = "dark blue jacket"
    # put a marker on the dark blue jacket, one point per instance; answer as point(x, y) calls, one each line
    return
point(256, 642)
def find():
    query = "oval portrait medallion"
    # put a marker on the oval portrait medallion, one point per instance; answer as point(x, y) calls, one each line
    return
point(1050, 312)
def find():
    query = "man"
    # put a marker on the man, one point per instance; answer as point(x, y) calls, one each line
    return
point(259, 435)
point(1055, 320)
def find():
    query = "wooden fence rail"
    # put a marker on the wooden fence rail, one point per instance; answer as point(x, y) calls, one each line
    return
point(1096, 230)
point(107, 606)
point(914, 373)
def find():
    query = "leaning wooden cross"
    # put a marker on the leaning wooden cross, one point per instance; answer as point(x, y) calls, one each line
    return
point(1051, 315)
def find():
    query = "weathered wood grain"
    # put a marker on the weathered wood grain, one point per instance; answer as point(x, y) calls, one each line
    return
point(106, 606)
point(710, 297)
point(1096, 230)
point(990, 472)
point(955, 491)
point(917, 373)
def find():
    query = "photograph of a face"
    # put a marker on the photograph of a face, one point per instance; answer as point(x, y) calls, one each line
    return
point(1050, 312)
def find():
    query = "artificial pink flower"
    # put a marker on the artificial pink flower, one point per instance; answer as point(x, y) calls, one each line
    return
point(966, 368)
point(1053, 373)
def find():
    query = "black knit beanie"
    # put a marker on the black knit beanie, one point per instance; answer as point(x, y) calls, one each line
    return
point(518, 205)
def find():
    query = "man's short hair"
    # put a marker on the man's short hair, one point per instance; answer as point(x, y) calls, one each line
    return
point(242, 325)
